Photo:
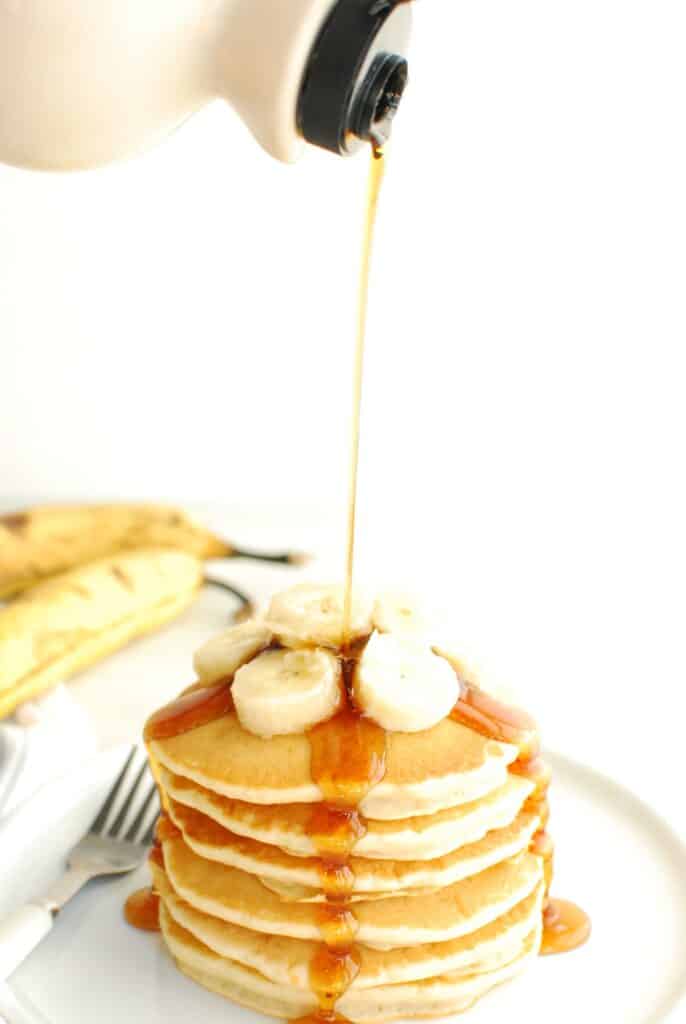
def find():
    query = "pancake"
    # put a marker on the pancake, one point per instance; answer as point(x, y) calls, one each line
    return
point(272, 865)
point(419, 838)
point(450, 913)
point(425, 771)
point(346, 868)
point(448, 993)
point(286, 961)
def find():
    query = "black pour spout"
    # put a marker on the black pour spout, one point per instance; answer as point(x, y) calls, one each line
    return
point(356, 75)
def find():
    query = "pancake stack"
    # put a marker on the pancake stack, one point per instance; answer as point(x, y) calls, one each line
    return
point(347, 869)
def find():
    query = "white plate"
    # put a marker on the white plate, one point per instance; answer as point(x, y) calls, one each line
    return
point(615, 857)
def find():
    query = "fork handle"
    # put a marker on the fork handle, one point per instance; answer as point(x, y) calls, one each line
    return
point(20, 933)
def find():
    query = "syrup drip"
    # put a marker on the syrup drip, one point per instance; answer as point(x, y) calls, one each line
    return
point(156, 855)
point(348, 758)
point(565, 926)
point(142, 910)
point(489, 717)
point(166, 829)
point(335, 830)
point(320, 1016)
point(337, 971)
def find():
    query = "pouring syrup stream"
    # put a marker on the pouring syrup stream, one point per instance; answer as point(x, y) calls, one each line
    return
point(376, 177)
point(349, 751)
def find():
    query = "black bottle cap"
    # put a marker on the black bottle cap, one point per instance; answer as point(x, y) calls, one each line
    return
point(356, 75)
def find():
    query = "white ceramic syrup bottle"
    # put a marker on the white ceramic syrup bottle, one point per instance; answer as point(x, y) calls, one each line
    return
point(87, 82)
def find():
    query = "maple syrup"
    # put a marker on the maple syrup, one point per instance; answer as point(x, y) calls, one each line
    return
point(190, 711)
point(142, 910)
point(489, 717)
point(347, 753)
point(347, 759)
point(334, 831)
point(321, 1016)
point(156, 855)
point(376, 176)
point(332, 972)
point(565, 926)
point(165, 829)
point(209, 832)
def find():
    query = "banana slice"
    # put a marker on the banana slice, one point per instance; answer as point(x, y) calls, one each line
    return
point(395, 612)
point(224, 654)
point(286, 691)
point(502, 691)
point(312, 614)
point(403, 685)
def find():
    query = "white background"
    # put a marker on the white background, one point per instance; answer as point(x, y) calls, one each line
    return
point(181, 326)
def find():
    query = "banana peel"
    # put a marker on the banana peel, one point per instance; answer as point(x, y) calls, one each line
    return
point(41, 542)
point(64, 624)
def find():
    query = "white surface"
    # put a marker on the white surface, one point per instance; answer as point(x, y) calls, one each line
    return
point(615, 857)
point(47, 737)
point(20, 932)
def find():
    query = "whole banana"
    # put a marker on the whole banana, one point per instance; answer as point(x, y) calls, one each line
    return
point(40, 542)
point(66, 623)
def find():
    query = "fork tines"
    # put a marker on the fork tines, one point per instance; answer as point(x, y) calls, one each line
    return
point(128, 806)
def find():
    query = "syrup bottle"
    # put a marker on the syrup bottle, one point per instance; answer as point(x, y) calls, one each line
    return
point(87, 82)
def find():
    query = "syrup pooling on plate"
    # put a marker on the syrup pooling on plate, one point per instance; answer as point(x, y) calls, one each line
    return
point(565, 926)
point(142, 910)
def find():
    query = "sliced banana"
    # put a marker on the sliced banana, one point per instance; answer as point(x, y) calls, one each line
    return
point(395, 612)
point(224, 654)
point(403, 685)
point(469, 674)
point(286, 691)
point(312, 614)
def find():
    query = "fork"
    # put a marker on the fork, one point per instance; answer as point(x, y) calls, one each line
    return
point(102, 851)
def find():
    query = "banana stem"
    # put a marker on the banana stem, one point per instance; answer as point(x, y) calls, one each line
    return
point(247, 608)
point(283, 558)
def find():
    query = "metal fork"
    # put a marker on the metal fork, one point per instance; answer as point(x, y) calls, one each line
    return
point(104, 850)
